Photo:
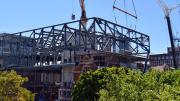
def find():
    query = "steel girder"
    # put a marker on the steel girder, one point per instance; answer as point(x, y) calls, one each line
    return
point(49, 42)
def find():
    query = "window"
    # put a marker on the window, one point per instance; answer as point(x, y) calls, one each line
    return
point(43, 77)
point(170, 57)
point(68, 94)
point(167, 57)
point(99, 60)
point(163, 57)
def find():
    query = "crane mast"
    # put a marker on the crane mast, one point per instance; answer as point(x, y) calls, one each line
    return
point(167, 16)
point(83, 12)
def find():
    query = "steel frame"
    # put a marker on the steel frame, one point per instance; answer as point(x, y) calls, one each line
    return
point(47, 43)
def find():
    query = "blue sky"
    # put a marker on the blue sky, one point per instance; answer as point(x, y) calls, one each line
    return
point(20, 15)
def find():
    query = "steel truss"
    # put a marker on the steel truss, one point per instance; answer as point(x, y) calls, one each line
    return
point(47, 43)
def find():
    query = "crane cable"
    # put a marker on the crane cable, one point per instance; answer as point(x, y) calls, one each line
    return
point(177, 31)
point(125, 13)
point(178, 2)
point(135, 10)
point(125, 7)
point(135, 13)
point(73, 11)
point(115, 18)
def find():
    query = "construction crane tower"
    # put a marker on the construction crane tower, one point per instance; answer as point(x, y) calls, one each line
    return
point(167, 16)
point(83, 12)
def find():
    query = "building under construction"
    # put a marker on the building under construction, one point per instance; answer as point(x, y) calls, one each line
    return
point(165, 58)
point(53, 57)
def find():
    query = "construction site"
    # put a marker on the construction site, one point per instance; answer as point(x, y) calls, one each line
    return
point(53, 57)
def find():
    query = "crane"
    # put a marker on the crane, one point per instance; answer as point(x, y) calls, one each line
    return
point(83, 12)
point(167, 16)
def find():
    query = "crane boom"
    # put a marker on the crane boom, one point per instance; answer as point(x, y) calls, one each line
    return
point(83, 12)
point(164, 7)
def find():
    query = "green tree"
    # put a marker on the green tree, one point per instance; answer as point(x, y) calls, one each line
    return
point(123, 84)
point(151, 86)
point(90, 83)
point(11, 87)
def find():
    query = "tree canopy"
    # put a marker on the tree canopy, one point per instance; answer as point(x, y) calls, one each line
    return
point(123, 84)
point(11, 87)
